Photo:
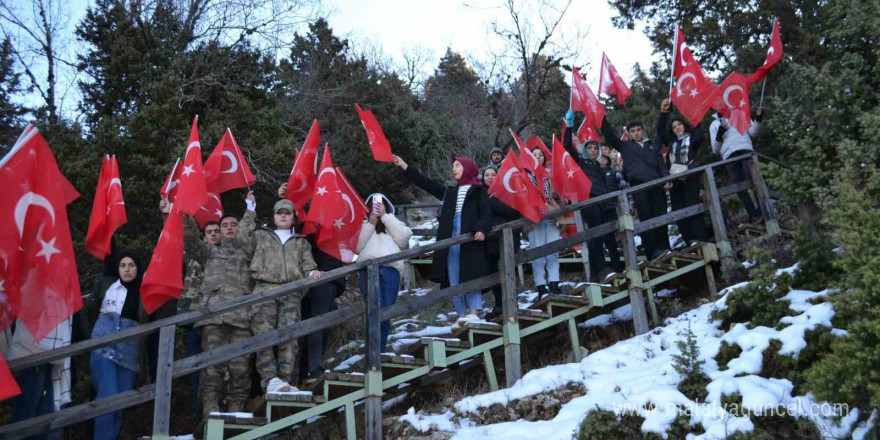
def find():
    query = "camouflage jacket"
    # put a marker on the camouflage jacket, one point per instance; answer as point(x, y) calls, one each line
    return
point(273, 262)
point(191, 298)
point(226, 273)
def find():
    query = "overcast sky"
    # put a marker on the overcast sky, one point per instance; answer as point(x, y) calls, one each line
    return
point(434, 25)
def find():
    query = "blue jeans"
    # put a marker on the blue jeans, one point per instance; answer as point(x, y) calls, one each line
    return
point(389, 282)
point(468, 301)
point(36, 398)
point(193, 340)
point(109, 379)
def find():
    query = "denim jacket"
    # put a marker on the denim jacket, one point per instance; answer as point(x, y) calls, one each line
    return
point(125, 353)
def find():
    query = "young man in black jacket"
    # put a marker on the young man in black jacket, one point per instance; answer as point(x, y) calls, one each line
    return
point(594, 215)
point(643, 162)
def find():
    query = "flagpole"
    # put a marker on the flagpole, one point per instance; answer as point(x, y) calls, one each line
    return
point(763, 84)
point(240, 158)
point(674, 53)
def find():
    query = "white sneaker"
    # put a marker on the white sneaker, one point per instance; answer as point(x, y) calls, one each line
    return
point(277, 385)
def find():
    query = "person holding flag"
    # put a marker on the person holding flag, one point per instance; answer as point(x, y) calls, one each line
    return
point(683, 142)
point(465, 210)
point(545, 269)
point(501, 213)
point(731, 143)
point(278, 256)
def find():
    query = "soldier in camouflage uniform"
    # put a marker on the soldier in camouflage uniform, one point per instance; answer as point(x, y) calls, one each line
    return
point(280, 256)
point(226, 277)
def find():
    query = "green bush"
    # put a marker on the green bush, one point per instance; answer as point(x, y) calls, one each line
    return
point(605, 425)
point(760, 302)
point(814, 252)
point(689, 365)
point(727, 353)
point(780, 427)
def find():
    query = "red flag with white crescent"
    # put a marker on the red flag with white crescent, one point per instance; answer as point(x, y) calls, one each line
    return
point(169, 188)
point(378, 143)
point(683, 56)
point(301, 183)
point(163, 279)
point(774, 55)
point(731, 100)
point(567, 178)
point(691, 92)
point(528, 161)
point(212, 210)
point(585, 133)
point(536, 142)
point(39, 283)
point(611, 83)
point(513, 188)
point(193, 189)
point(327, 210)
point(348, 228)
point(108, 209)
point(584, 100)
point(226, 168)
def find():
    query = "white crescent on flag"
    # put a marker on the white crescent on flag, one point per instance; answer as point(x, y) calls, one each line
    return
point(234, 166)
point(25, 202)
point(727, 94)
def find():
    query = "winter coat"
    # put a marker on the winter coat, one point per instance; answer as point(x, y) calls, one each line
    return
point(590, 167)
point(226, 272)
point(271, 261)
point(191, 296)
point(476, 216)
point(641, 162)
point(683, 150)
point(96, 324)
point(395, 238)
point(613, 180)
point(732, 140)
point(501, 213)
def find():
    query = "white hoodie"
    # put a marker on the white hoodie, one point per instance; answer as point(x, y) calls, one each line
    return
point(732, 140)
point(395, 239)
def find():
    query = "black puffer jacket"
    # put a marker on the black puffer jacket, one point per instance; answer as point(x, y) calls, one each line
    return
point(641, 163)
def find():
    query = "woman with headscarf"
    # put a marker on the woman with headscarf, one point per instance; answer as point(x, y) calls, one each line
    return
point(115, 305)
point(382, 234)
point(501, 213)
point(465, 210)
point(683, 142)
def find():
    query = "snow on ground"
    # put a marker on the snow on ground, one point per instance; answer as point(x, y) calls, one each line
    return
point(629, 375)
point(622, 313)
point(346, 364)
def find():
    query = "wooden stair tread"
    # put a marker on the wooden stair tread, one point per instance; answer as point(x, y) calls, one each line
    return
point(571, 300)
point(301, 396)
point(403, 360)
point(344, 377)
point(450, 343)
point(607, 289)
point(233, 419)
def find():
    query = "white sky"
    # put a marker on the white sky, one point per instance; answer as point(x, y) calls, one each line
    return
point(462, 25)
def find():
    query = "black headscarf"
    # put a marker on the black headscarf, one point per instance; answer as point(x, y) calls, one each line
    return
point(130, 310)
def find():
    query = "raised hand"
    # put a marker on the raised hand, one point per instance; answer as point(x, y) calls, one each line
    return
point(664, 106)
point(399, 162)
point(282, 191)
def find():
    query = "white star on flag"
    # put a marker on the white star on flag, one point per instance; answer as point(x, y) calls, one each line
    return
point(322, 190)
point(48, 249)
point(187, 170)
point(219, 213)
point(338, 223)
point(694, 93)
point(570, 173)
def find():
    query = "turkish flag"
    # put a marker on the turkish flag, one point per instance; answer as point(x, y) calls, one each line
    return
point(731, 99)
point(212, 210)
point(528, 161)
point(567, 178)
point(226, 168)
point(611, 83)
point(583, 99)
point(8, 385)
point(169, 188)
point(327, 211)
point(692, 91)
point(349, 226)
point(193, 189)
point(513, 188)
point(108, 209)
point(536, 142)
point(378, 143)
point(39, 284)
point(301, 183)
point(682, 56)
point(774, 54)
point(585, 133)
point(163, 279)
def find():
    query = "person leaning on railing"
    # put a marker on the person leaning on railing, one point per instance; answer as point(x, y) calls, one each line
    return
point(382, 234)
point(465, 210)
point(683, 142)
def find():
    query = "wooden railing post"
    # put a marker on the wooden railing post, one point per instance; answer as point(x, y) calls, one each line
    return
point(626, 232)
point(164, 366)
point(509, 307)
point(373, 379)
point(585, 253)
point(763, 194)
point(713, 205)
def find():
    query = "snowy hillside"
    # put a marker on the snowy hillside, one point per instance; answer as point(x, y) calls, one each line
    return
point(637, 375)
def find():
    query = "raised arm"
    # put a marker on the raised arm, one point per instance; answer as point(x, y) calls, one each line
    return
point(196, 249)
point(611, 138)
point(715, 136)
point(430, 186)
point(246, 228)
point(663, 124)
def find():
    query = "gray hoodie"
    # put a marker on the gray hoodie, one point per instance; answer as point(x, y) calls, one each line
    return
point(732, 140)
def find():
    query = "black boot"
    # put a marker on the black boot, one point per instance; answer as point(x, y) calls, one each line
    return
point(554, 288)
point(542, 290)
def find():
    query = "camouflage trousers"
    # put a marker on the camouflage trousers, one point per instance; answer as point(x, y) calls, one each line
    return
point(279, 361)
point(211, 381)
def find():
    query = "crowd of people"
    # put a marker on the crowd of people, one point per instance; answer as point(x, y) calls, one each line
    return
point(235, 257)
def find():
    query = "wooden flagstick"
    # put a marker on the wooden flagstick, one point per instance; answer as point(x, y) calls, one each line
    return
point(240, 158)
point(763, 84)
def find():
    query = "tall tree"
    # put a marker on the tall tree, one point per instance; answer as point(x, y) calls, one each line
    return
point(11, 112)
